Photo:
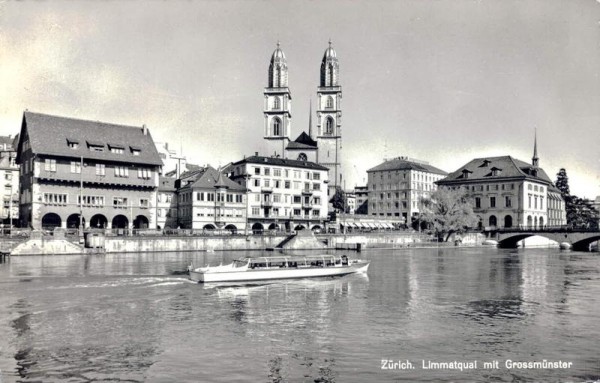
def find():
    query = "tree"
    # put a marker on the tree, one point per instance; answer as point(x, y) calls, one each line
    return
point(449, 211)
point(562, 182)
point(339, 200)
point(580, 212)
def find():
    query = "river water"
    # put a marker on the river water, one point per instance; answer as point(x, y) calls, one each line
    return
point(135, 318)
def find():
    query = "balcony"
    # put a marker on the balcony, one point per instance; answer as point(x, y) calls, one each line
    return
point(307, 192)
point(266, 190)
point(266, 204)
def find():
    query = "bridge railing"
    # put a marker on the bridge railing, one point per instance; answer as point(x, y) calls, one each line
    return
point(546, 229)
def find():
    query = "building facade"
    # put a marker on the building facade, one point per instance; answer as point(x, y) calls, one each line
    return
point(9, 176)
point(396, 186)
point(508, 192)
point(166, 203)
point(174, 163)
point(283, 194)
point(103, 173)
point(209, 200)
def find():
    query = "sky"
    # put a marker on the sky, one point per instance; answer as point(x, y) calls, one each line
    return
point(440, 81)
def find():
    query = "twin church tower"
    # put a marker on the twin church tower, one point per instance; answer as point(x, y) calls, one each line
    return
point(322, 146)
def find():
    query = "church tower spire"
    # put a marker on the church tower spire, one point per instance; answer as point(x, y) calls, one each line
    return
point(310, 119)
point(329, 117)
point(277, 105)
point(535, 161)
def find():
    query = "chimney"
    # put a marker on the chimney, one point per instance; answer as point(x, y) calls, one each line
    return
point(144, 130)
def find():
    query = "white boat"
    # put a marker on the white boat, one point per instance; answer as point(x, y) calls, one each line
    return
point(265, 268)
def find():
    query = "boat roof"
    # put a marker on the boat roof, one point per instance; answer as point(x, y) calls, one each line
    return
point(288, 257)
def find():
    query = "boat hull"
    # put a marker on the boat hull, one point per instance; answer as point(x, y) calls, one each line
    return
point(282, 273)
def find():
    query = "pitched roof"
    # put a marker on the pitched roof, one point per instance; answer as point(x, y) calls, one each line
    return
point(305, 139)
point(405, 164)
point(506, 166)
point(212, 178)
point(166, 184)
point(8, 141)
point(50, 135)
point(276, 161)
point(299, 145)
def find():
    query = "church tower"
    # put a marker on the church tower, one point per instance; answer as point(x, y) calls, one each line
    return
point(329, 118)
point(277, 105)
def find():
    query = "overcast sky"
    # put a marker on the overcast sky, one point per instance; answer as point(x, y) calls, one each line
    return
point(442, 81)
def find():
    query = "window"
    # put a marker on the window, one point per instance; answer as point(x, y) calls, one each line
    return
point(144, 173)
point(239, 198)
point(50, 165)
point(267, 171)
point(329, 126)
point(120, 202)
point(55, 198)
point(117, 150)
point(277, 127)
point(302, 157)
point(297, 199)
point(277, 172)
point(121, 171)
point(316, 186)
point(276, 103)
point(96, 148)
point(72, 144)
point(492, 201)
point(287, 184)
point(75, 167)
point(256, 182)
point(256, 211)
point(91, 200)
point(507, 201)
point(257, 171)
point(316, 176)
point(135, 151)
point(210, 197)
point(477, 202)
point(329, 104)
point(229, 198)
point(100, 169)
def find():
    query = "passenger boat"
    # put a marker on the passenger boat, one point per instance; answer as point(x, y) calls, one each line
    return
point(265, 268)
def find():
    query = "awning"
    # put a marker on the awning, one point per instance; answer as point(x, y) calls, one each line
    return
point(372, 225)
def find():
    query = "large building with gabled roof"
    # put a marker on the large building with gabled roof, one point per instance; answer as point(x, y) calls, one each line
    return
point(508, 192)
point(396, 185)
point(105, 173)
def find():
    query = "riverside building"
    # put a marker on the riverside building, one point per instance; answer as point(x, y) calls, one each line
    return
point(508, 192)
point(107, 174)
point(209, 200)
point(396, 186)
point(283, 194)
point(9, 176)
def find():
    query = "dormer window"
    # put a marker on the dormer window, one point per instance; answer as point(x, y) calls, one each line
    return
point(135, 150)
point(95, 146)
point(486, 163)
point(465, 173)
point(118, 149)
point(73, 144)
point(496, 171)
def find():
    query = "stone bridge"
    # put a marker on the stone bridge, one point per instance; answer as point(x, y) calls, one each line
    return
point(578, 239)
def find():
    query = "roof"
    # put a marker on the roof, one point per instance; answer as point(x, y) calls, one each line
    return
point(49, 135)
point(8, 141)
point(305, 139)
point(166, 184)
point(211, 178)
point(276, 161)
point(481, 169)
point(404, 164)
